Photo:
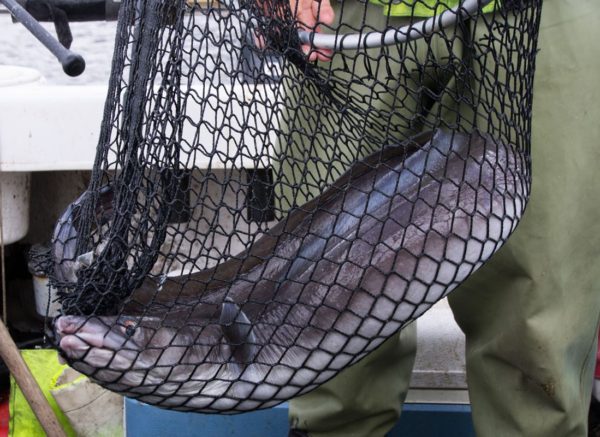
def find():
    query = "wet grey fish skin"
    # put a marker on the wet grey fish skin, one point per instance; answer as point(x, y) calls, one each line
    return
point(67, 260)
point(64, 239)
point(392, 237)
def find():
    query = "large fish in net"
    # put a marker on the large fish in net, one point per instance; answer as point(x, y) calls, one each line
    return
point(241, 243)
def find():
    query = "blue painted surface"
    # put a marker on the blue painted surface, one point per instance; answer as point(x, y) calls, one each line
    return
point(434, 420)
point(422, 420)
point(143, 420)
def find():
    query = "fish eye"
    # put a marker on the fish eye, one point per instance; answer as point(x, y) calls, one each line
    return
point(129, 326)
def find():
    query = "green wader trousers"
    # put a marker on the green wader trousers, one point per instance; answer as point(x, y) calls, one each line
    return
point(531, 314)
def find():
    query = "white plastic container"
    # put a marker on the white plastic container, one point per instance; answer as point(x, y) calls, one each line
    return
point(14, 186)
point(14, 193)
point(42, 292)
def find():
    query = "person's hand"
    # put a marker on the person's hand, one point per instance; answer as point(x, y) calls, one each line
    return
point(309, 13)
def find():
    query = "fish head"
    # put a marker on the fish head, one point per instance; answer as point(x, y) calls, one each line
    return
point(123, 349)
point(133, 352)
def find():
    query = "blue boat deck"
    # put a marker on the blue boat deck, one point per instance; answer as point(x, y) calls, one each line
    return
point(422, 420)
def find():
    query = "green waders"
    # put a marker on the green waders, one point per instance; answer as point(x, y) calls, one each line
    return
point(531, 314)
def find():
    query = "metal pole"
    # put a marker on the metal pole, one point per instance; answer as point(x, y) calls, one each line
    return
point(72, 63)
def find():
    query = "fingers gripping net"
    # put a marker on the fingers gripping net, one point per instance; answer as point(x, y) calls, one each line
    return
point(257, 221)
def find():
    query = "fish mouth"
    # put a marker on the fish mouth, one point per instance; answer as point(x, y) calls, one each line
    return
point(76, 335)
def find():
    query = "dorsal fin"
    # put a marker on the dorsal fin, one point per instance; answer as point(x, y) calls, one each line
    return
point(238, 333)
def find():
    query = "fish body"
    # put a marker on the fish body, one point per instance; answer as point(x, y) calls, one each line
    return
point(398, 232)
point(64, 250)
point(64, 247)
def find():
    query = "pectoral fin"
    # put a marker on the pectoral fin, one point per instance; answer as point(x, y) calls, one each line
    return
point(237, 331)
point(86, 259)
point(81, 262)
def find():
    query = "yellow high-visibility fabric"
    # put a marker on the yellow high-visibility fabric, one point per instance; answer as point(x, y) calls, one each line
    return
point(421, 8)
point(45, 368)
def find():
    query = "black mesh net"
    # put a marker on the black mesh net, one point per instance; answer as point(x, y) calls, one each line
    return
point(257, 221)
